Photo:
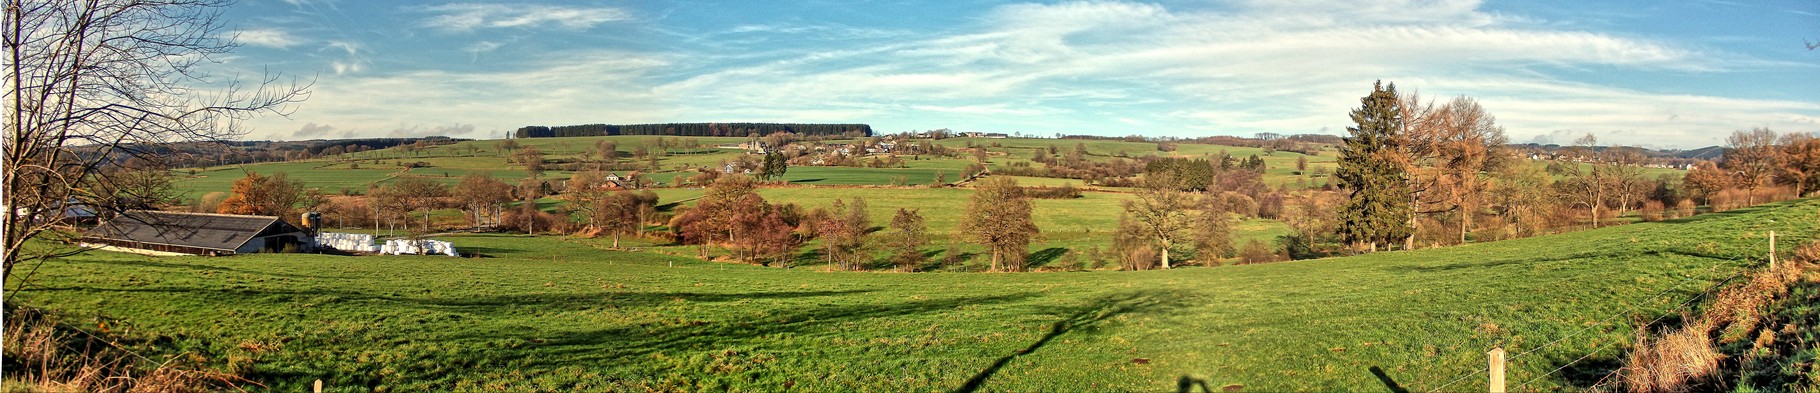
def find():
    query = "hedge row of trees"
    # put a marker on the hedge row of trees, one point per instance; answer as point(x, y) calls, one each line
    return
point(1416, 170)
point(695, 129)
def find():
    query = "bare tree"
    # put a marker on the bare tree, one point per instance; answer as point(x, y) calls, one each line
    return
point(1751, 155)
point(1799, 160)
point(90, 82)
point(998, 217)
point(484, 196)
point(1583, 184)
point(1163, 213)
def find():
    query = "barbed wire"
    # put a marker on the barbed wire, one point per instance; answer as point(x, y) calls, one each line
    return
point(1664, 315)
point(1626, 312)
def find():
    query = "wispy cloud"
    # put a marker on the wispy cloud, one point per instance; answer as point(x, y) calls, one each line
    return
point(1102, 67)
point(471, 16)
point(350, 58)
point(272, 38)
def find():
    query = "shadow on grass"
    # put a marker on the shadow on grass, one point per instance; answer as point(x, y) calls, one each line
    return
point(480, 305)
point(490, 251)
point(1087, 318)
point(809, 180)
point(195, 266)
point(1509, 260)
point(1388, 383)
point(1047, 255)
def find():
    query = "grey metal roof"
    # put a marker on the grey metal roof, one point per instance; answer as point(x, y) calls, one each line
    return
point(226, 232)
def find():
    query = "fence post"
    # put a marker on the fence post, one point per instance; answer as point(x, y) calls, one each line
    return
point(318, 388)
point(1496, 385)
point(1772, 250)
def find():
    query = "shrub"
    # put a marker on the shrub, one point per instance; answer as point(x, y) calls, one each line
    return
point(536, 221)
point(1685, 208)
point(1256, 252)
point(1652, 211)
point(1138, 258)
point(1066, 191)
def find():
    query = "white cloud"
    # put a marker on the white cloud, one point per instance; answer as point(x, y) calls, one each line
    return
point(350, 58)
point(1104, 67)
point(468, 17)
point(584, 87)
point(272, 38)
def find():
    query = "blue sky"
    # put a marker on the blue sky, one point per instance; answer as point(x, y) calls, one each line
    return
point(1673, 74)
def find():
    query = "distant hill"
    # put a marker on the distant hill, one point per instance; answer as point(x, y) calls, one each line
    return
point(693, 129)
point(1704, 153)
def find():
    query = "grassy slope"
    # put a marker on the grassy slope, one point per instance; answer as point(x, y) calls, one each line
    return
point(554, 315)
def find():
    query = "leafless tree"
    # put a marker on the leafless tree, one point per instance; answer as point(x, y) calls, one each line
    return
point(91, 82)
point(1752, 156)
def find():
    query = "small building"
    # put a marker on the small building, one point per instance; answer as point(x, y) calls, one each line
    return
point(171, 233)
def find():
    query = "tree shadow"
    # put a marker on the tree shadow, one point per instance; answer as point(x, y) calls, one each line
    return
point(1186, 384)
point(487, 250)
point(1508, 260)
point(1087, 318)
point(1047, 255)
point(197, 267)
point(811, 180)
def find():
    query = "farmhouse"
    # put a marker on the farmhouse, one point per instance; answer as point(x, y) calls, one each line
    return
point(169, 233)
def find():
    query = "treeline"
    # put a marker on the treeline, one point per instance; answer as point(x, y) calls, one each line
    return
point(694, 129)
point(1419, 173)
point(204, 154)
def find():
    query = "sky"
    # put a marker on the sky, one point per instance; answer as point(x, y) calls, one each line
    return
point(1659, 74)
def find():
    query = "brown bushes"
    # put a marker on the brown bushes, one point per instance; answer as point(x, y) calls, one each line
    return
point(1683, 359)
point(1734, 198)
point(1652, 211)
point(1256, 252)
point(1670, 363)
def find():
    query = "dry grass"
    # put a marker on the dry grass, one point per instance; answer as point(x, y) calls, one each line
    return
point(43, 355)
point(1674, 362)
point(1682, 359)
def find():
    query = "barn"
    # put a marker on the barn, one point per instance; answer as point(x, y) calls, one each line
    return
point(170, 233)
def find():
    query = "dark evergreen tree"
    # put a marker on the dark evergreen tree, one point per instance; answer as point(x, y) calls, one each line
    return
point(774, 167)
point(1378, 210)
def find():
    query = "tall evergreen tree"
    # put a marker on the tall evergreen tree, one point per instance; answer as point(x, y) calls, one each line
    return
point(1378, 210)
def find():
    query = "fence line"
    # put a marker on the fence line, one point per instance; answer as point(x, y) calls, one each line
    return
point(1607, 321)
point(1626, 312)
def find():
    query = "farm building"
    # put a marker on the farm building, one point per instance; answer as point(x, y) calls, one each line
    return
point(158, 232)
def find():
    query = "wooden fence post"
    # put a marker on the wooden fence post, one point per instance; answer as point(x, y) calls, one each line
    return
point(1496, 385)
point(1772, 250)
point(318, 388)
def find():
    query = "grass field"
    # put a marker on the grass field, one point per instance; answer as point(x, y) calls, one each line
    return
point(447, 163)
point(549, 314)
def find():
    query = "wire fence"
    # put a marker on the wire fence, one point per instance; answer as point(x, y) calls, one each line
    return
point(1606, 322)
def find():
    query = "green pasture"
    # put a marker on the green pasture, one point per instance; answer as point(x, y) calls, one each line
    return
point(548, 314)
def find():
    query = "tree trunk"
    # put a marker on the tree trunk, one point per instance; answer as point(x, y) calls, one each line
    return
point(1465, 224)
point(995, 254)
point(615, 239)
point(1165, 255)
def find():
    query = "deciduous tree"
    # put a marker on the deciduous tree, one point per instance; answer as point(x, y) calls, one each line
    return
point(998, 217)
point(253, 194)
point(420, 194)
point(1752, 156)
point(90, 83)
point(908, 238)
point(484, 197)
point(1799, 160)
point(1163, 213)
